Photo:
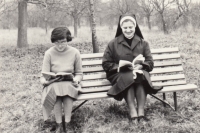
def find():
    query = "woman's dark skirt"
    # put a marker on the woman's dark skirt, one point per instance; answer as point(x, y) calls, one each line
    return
point(122, 81)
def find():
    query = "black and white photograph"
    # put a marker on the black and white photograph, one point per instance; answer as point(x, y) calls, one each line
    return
point(99, 66)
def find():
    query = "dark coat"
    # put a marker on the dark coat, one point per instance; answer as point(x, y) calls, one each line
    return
point(118, 49)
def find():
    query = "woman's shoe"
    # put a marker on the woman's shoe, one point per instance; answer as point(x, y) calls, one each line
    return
point(143, 119)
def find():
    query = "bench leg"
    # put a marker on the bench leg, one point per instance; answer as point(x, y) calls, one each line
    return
point(163, 101)
point(79, 106)
point(164, 98)
point(175, 100)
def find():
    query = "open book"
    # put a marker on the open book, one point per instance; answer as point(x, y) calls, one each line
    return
point(138, 60)
point(66, 76)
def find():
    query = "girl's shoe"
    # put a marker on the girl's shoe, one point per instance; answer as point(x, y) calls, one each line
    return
point(143, 119)
point(59, 128)
point(134, 120)
point(66, 126)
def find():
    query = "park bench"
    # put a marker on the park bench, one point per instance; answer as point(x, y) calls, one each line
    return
point(168, 72)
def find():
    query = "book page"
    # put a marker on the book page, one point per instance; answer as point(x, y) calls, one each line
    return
point(138, 60)
point(48, 75)
point(124, 63)
point(63, 73)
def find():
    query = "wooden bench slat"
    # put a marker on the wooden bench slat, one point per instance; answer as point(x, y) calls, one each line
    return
point(170, 83)
point(93, 69)
point(167, 63)
point(167, 70)
point(156, 63)
point(106, 88)
point(91, 96)
point(179, 88)
point(92, 62)
point(155, 70)
point(166, 56)
point(167, 77)
point(93, 90)
point(153, 78)
point(92, 55)
point(94, 76)
point(100, 95)
point(153, 51)
point(164, 50)
point(106, 83)
point(95, 83)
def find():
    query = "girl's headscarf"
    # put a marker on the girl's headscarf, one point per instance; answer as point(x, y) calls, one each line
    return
point(119, 29)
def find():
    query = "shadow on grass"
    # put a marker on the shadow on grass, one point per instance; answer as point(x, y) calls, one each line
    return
point(166, 113)
point(117, 111)
point(76, 124)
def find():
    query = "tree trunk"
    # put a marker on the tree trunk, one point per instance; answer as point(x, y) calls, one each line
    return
point(164, 25)
point(177, 18)
point(93, 24)
point(90, 21)
point(22, 24)
point(75, 25)
point(149, 22)
point(46, 21)
point(185, 19)
point(79, 22)
point(46, 26)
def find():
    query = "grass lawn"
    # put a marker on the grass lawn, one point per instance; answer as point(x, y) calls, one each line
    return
point(20, 90)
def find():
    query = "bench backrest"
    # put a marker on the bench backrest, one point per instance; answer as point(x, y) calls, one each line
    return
point(167, 70)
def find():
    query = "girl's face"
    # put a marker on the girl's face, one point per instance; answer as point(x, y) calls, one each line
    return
point(128, 29)
point(61, 44)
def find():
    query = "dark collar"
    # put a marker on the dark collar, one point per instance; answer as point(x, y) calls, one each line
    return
point(136, 40)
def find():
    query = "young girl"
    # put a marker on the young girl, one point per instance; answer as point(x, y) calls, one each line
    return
point(58, 92)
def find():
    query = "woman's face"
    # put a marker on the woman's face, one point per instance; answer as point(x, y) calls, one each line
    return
point(61, 44)
point(128, 29)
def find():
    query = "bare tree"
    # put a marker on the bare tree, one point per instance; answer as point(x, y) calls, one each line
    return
point(93, 27)
point(183, 8)
point(77, 9)
point(6, 9)
point(22, 24)
point(22, 21)
point(148, 9)
point(2, 5)
point(195, 16)
point(74, 8)
point(122, 6)
point(115, 8)
point(161, 6)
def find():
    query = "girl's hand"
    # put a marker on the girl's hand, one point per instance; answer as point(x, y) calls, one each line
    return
point(75, 82)
point(48, 82)
point(138, 67)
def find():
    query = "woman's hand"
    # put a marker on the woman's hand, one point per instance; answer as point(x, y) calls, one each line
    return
point(138, 67)
point(75, 82)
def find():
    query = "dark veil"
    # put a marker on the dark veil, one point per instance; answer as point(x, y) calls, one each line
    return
point(137, 29)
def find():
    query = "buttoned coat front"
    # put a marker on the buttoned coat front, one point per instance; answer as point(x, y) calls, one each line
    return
point(118, 49)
